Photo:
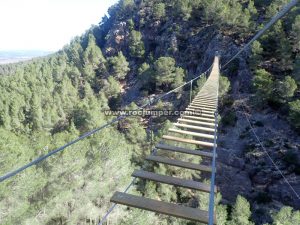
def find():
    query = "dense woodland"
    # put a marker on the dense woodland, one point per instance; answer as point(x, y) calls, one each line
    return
point(141, 45)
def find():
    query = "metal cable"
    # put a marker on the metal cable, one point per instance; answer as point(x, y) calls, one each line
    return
point(39, 159)
point(263, 147)
point(274, 19)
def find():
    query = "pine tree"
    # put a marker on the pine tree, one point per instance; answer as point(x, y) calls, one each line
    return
point(119, 67)
point(286, 216)
point(286, 88)
point(296, 34)
point(159, 11)
point(241, 212)
point(296, 69)
point(294, 114)
point(92, 55)
point(136, 45)
point(166, 74)
point(263, 84)
point(256, 56)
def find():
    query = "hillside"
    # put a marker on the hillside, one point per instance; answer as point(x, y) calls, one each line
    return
point(146, 48)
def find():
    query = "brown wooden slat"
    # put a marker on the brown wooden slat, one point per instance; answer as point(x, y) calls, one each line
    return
point(201, 98)
point(178, 163)
point(198, 118)
point(201, 110)
point(194, 127)
point(161, 207)
point(195, 134)
point(213, 108)
point(196, 122)
point(172, 180)
point(189, 141)
point(206, 102)
point(184, 150)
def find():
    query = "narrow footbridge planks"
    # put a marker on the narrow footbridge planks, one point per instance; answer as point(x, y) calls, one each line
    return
point(197, 128)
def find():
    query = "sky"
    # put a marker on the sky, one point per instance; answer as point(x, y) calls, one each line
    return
point(47, 24)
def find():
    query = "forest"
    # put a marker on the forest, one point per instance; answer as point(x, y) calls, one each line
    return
point(142, 49)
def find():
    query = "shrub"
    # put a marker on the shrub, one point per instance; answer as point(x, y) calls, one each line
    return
point(159, 11)
point(294, 114)
point(224, 86)
point(263, 84)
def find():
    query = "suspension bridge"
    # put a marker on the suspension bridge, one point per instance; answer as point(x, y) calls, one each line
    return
point(200, 123)
point(203, 129)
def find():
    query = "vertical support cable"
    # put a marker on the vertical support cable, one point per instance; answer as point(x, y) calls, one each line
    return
point(191, 91)
point(213, 174)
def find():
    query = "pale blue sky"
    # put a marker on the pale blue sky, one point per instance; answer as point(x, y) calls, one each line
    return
point(47, 24)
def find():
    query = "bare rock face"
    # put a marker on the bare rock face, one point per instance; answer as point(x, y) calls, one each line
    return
point(245, 168)
point(283, 192)
point(116, 39)
point(232, 182)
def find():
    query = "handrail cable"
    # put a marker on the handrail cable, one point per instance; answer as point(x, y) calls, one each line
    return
point(42, 158)
point(265, 150)
point(213, 174)
point(274, 19)
point(285, 10)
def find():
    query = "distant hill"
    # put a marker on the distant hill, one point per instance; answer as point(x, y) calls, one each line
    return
point(18, 56)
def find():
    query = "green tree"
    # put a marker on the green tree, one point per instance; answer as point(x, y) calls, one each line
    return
point(263, 84)
point(296, 34)
point(111, 88)
point(294, 113)
point(184, 8)
point(296, 69)
point(159, 11)
point(241, 212)
point(166, 74)
point(36, 113)
point(92, 54)
point(136, 45)
point(286, 216)
point(119, 67)
point(224, 86)
point(285, 53)
point(286, 88)
point(256, 56)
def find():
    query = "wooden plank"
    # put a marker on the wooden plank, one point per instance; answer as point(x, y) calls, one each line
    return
point(195, 134)
point(206, 98)
point(161, 207)
point(204, 106)
point(194, 127)
point(202, 113)
point(189, 141)
point(205, 102)
point(172, 180)
point(196, 122)
point(183, 150)
point(178, 163)
point(199, 118)
point(200, 110)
